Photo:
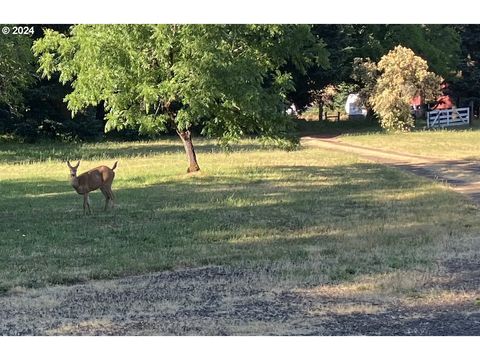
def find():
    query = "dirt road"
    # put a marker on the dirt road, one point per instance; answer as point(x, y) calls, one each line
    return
point(462, 175)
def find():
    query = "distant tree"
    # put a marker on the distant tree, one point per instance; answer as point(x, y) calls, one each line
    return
point(31, 108)
point(466, 85)
point(226, 80)
point(16, 70)
point(401, 76)
point(309, 83)
point(324, 98)
point(439, 45)
point(366, 73)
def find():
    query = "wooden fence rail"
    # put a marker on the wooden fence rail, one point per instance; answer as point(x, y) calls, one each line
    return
point(448, 117)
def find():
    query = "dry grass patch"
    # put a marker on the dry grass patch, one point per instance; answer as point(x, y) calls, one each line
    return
point(444, 144)
point(89, 327)
point(347, 309)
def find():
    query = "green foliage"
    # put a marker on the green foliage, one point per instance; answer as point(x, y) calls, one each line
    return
point(467, 82)
point(224, 79)
point(340, 98)
point(365, 72)
point(16, 70)
point(391, 84)
point(439, 45)
point(31, 110)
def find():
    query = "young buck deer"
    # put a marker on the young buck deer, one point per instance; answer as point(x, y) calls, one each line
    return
point(98, 178)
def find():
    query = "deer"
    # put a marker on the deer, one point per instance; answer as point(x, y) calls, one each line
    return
point(100, 177)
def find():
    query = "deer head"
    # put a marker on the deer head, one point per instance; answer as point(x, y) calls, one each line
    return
point(73, 169)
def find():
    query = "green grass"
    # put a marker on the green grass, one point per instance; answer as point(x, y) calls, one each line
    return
point(307, 215)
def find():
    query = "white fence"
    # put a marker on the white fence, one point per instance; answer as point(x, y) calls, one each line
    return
point(448, 117)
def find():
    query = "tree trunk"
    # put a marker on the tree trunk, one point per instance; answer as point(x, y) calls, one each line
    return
point(320, 110)
point(470, 105)
point(186, 137)
point(370, 115)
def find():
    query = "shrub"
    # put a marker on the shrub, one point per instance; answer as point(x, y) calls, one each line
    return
point(403, 75)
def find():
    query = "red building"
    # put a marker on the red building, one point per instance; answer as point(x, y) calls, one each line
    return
point(444, 101)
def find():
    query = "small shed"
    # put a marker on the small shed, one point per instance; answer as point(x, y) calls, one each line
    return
point(354, 106)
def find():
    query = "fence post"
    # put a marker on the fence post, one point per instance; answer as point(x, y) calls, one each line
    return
point(470, 112)
point(338, 116)
point(428, 119)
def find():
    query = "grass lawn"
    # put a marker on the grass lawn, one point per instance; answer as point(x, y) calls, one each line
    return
point(308, 216)
point(445, 144)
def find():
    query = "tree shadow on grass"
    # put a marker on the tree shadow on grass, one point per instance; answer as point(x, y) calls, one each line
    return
point(11, 153)
point(336, 128)
point(331, 222)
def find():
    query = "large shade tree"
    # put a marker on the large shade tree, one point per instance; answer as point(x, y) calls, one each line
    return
point(224, 79)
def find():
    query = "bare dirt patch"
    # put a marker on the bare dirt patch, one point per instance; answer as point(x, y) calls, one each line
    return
point(221, 301)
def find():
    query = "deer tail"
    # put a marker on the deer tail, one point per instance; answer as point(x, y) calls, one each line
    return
point(114, 165)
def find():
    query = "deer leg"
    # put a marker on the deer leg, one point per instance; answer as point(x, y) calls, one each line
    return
point(110, 195)
point(86, 204)
point(107, 197)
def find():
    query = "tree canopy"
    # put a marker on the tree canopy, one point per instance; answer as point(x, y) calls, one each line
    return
point(225, 79)
point(16, 69)
point(152, 75)
point(467, 83)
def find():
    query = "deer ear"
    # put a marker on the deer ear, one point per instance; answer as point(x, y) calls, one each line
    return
point(69, 165)
point(78, 163)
